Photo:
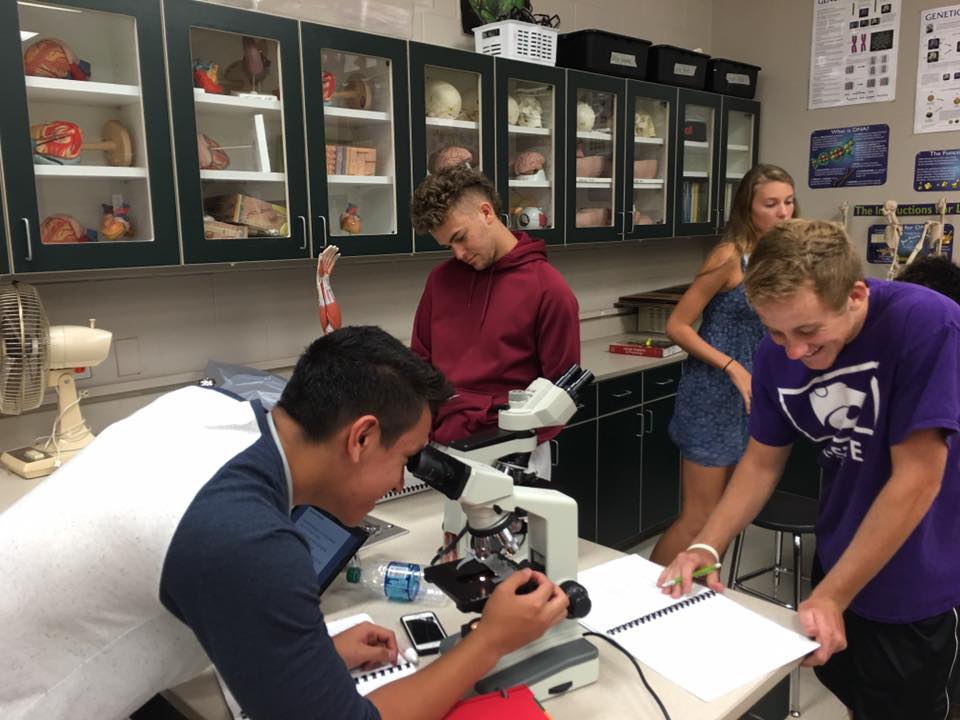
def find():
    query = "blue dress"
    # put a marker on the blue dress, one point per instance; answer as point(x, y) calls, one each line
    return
point(709, 424)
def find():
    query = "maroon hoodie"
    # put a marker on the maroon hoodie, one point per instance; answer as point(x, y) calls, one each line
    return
point(495, 330)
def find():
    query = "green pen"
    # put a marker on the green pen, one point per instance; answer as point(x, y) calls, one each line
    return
point(696, 573)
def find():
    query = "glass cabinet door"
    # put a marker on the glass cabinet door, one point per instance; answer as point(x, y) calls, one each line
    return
point(594, 157)
point(86, 139)
point(530, 124)
point(451, 113)
point(356, 96)
point(651, 130)
point(741, 130)
point(699, 119)
point(235, 83)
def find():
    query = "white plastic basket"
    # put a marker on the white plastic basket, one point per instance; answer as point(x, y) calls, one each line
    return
point(517, 40)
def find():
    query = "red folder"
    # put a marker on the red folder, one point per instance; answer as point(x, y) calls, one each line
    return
point(517, 703)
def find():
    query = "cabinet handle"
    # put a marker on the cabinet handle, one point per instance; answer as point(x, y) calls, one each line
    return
point(623, 220)
point(324, 221)
point(303, 224)
point(648, 431)
point(556, 445)
point(625, 393)
point(633, 222)
point(643, 425)
point(506, 219)
point(26, 229)
point(668, 381)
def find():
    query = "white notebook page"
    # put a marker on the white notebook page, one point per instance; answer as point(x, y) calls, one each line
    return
point(708, 647)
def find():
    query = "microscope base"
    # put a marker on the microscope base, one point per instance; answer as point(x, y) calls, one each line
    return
point(548, 673)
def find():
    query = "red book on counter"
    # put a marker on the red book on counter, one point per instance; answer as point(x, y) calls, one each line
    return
point(517, 703)
point(650, 347)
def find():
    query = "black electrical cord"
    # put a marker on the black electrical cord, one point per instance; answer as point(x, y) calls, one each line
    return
point(620, 647)
point(444, 550)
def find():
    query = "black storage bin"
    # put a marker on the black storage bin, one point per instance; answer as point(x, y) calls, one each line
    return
point(732, 78)
point(603, 52)
point(677, 66)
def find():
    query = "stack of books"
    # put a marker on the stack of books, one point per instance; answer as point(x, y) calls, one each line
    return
point(651, 346)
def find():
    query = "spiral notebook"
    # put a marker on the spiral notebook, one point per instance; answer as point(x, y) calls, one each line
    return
point(705, 642)
point(366, 682)
point(369, 681)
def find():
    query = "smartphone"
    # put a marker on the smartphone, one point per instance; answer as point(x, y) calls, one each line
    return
point(425, 632)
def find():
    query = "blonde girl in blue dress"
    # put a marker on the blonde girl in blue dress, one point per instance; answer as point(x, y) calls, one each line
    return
point(713, 400)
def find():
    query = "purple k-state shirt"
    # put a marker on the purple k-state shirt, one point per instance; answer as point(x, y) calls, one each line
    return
point(901, 373)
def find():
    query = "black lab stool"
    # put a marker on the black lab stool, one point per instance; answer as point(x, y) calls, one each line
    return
point(795, 515)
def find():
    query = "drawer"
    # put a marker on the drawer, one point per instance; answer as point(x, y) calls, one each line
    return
point(661, 381)
point(586, 404)
point(619, 393)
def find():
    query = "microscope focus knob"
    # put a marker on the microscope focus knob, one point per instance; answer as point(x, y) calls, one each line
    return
point(579, 599)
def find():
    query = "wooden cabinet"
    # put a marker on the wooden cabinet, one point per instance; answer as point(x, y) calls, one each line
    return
point(358, 130)
point(740, 140)
point(594, 160)
point(238, 133)
point(574, 453)
point(616, 459)
point(530, 121)
point(651, 138)
point(451, 114)
point(719, 138)
point(86, 150)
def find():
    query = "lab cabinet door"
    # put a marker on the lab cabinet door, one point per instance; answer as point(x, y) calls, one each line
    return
point(575, 472)
point(619, 468)
point(595, 121)
point(660, 493)
point(355, 91)
point(698, 162)
point(86, 139)
point(451, 114)
point(531, 115)
point(651, 131)
point(238, 133)
point(739, 148)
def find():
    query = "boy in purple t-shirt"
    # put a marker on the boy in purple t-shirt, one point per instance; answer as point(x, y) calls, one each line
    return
point(870, 372)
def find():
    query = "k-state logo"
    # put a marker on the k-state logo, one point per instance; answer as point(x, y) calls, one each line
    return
point(840, 407)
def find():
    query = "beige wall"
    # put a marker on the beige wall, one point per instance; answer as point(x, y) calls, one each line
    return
point(779, 41)
point(174, 321)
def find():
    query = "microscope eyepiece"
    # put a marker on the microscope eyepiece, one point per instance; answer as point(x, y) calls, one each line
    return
point(440, 471)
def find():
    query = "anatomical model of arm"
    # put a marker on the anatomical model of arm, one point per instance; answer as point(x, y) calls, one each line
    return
point(329, 310)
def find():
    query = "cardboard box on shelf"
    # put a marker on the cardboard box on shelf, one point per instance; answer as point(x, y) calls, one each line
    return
point(216, 230)
point(253, 212)
point(350, 160)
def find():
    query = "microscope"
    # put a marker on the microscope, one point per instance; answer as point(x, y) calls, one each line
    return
point(511, 519)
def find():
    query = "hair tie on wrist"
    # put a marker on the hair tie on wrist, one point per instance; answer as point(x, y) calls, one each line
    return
point(724, 368)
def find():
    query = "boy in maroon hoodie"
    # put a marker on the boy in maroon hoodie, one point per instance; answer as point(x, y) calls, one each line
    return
point(494, 317)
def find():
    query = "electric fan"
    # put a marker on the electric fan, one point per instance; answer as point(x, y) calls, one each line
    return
point(34, 356)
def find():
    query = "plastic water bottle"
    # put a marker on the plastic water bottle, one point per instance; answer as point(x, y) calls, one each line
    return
point(399, 581)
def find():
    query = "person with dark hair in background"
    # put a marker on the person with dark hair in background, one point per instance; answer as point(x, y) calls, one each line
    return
point(935, 272)
point(169, 541)
point(494, 317)
point(938, 273)
point(713, 400)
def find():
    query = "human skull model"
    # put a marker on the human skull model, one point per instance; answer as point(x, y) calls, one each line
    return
point(531, 112)
point(586, 117)
point(643, 125)
point(470, 105)
point(513, 110)
point(443, 100)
